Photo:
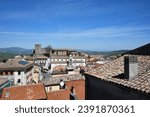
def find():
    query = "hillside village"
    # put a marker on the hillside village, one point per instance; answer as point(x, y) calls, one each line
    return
point(67, 74)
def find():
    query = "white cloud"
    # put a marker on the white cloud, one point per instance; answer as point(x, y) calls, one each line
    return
point(100, 33)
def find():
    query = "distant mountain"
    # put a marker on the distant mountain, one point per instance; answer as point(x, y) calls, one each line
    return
point(105, 53)
point(16, 50)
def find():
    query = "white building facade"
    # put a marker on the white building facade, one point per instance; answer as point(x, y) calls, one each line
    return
point(19, 71)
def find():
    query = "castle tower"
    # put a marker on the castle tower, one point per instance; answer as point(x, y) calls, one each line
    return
point(38, 49)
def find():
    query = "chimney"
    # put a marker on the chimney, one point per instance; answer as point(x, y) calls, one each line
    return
point(130, 67)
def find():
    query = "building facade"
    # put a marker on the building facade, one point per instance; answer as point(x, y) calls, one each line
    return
point(59, 57)
point(19, 71)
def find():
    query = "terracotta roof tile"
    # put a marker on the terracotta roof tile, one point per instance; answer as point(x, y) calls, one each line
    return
point(27, 92)
point(56, 79)
point(59, 57)
point(114, 72)
point(16, 64)
point(41, 57)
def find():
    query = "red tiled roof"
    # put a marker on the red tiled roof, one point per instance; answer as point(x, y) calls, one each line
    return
point(56, 79)
point(114, 72)
point(41, 57)
point(27, 92)
point(59, 62)
point(59, 57)
point(63, 49)
point(15, 65)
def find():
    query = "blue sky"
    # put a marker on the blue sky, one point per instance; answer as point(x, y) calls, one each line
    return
point(78, 24)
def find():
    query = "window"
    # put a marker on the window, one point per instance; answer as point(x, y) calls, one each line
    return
point(10, 73)
point(18, 81)
point(52, 51)
point(48, 89)
point(19, 72)
point(4, 73)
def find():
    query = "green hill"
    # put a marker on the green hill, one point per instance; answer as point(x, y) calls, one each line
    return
point(105, 53)
point(5, 56)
